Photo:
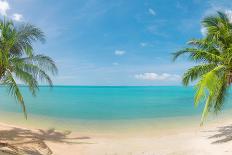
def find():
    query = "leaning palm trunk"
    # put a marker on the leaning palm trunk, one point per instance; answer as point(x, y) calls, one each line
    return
point(214, 54)
point(229, 78)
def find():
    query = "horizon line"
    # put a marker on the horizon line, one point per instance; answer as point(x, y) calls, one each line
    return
point(21, 85)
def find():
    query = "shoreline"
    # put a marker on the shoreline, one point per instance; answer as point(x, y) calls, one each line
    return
point(165, 136)
point(96, 126)
point(181, 136)
point(208, 139)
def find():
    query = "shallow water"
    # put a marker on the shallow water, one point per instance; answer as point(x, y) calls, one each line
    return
point(80, 107)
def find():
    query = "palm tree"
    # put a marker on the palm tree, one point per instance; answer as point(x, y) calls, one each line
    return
point(213, 52)
point(18, 62)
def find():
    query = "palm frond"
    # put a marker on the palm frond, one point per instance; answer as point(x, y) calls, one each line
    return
point(220, 94)
point(14, 90)
point(27, 78)
point(32, 69)
point(26, 34)
point(196, 72)
point(214, 52)
point(198, 55)
point(44, 62)
point(18, 60)
point(206, 89)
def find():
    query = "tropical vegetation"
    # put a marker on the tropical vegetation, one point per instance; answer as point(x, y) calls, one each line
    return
point(18, 61)
point(213, 55)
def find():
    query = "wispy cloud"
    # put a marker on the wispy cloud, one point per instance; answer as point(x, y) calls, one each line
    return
point(156, 30)
point(67, 77)
point(212, 11)
point(4, 6)
point(182, 6)
point(229, 13)
point(115, 63)
point(215, 5)
point(151, 12)
point(119, 52)
point(93, 9)
point(157, 77)
point(143, 44)
point(203, 31)
point(17, 17)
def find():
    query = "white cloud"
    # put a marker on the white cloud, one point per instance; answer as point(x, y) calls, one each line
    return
point(203, 31)
point(119, 52)
point(115, 64)
point(214, 9)
point(229, 13)
point(17, 17)
point(143, 44)
point(4, 6)
point(157, 77)
point(181, 6)
point(152, 12)
point(156, 29)
point(217, 6)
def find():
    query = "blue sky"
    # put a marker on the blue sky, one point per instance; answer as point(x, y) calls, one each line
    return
point(108, 42)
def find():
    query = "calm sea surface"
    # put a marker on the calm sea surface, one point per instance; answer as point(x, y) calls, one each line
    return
point(106, 103)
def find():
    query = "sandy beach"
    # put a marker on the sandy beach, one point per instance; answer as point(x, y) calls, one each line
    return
point(147, 125)
point(126, 77)
point(214, 138)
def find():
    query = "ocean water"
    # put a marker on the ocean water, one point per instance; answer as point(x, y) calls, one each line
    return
point(100, 103)
point(105, 103)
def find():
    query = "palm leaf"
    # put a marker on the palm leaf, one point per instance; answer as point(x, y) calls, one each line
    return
point(196, 72)
point(198, 55)
point(14, 90)
point(19, 62)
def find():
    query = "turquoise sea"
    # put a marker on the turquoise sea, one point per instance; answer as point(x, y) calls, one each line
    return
point(105, 103)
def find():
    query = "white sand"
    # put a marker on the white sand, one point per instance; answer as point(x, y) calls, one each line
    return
point(190, 140)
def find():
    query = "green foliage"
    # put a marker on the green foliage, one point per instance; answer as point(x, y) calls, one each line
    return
point(214, 55)
point(195, 72)
point(18, 60)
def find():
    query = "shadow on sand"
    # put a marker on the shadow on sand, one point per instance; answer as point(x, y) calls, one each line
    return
point(222, 134)
point(23, 141)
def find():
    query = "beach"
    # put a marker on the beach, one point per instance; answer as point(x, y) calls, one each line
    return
point(92, 77)
point(204, 140)
point(213, 138)
point(113, 121)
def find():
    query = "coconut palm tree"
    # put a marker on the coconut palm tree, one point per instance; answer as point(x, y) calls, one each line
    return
point(213, 53)
point(18, 62)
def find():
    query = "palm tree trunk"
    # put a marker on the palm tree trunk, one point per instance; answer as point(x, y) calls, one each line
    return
point(229, 78)
point(2, 71)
